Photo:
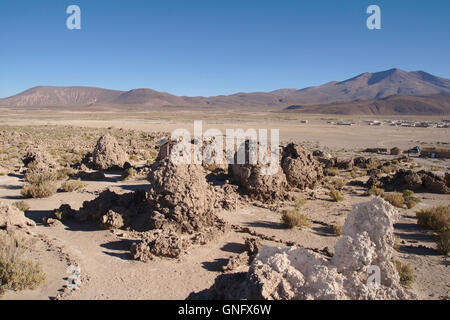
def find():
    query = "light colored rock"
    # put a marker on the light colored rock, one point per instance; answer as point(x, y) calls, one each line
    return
point(10, 216)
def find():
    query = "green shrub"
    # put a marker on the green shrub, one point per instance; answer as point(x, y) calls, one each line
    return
point(293, 218)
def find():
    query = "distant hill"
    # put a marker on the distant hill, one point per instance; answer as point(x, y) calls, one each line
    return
point(60, 96)
point(437, 104)
point(366, 86)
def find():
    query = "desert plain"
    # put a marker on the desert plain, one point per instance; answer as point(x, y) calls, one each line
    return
point(107, 269)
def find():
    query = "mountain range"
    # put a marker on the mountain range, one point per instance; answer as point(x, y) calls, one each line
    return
point(387, 92)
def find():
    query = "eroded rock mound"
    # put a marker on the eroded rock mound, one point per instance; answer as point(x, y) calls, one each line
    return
point(408, 179)
point(113, 211)
point(298, 273)
point(302, 170)
point(108, 154)
point(181, 198)
point(182, 204)
point(39, 159)
point(10, 216)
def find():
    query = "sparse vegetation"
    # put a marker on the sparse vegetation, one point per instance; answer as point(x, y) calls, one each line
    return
point(72, 185)
point(396, 245)
point(436, 218)
point(396, 199)
point(41, 189)
point(443, 242)
point(64, 173)
point(298, 203)
point(22, 205)
point(337, 230)
point(332, 171)
point(336, 195)
point(128, 173)
point(293, 218)
point(338, 183)
point(17, 273)
point(375, 191)
point(410, 200)
point(405, 272)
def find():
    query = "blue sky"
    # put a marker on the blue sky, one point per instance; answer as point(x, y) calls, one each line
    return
point(211, 47)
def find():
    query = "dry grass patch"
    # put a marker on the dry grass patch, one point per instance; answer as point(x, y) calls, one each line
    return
point(72, 185)
point(332, 171)
point(405, 271)
point(293, 218)
point(337, 230)
point(21, 205)
point(336, 195)
point(375, 191)
point(17, 273)
point(436, 218)
point(338, 183)
point(396, 199)
point(128, 173)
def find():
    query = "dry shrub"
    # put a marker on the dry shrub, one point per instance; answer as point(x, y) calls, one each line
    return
point(337, 230)
point(436, 218)
point(336, 195)
point(396, 199)
point(338, 183)
point(38, 177)
point(443, 242)
point(387, 169)
point(410, 200)
point(396, 243)
point(21, 205)
point(375, 191)
point(41, 184)
point(293, 218)
point(298, 203)
point(128, 173)
point(332, 171)
point(64, 173)
point(17, 273)
point(405, 272)
point(72, 185)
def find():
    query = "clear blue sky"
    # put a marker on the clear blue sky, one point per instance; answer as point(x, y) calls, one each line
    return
point(210, 47)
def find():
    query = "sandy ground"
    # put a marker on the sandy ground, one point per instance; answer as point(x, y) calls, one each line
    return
point(110, 273)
